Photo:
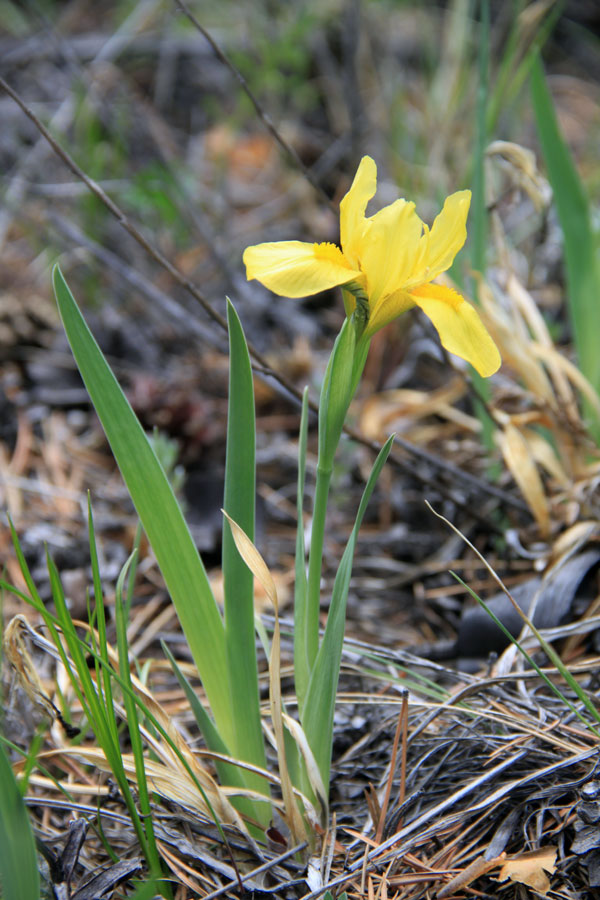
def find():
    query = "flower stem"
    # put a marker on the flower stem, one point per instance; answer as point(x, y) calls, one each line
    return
point(315, 562)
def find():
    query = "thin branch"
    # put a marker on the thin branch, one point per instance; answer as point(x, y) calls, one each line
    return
point(263, 116)
point(169, 306)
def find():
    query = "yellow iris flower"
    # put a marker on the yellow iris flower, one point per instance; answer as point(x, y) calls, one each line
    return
point(391, 257)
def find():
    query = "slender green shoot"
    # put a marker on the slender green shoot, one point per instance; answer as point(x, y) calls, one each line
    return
point(317, 719)
point(239, 501)
point(554, 658)
point(228, 774)
point(133, 724)
point(336, 394)
point(581, 258)
point(94, 702)
point(479, 212)
point(301, 665)
point(517, 62)
point(83, 650)
point(19, 875)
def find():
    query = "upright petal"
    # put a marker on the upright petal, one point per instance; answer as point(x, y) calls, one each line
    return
point(458, 324)
point(389, 245)
point(447, 236)
point(353, 206)
point(298, 269)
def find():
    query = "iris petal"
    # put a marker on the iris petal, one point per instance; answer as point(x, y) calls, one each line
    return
point(440, 245)
point(352, 209)
point(389, 308)
point(458, 324)
point(390, 245)
point(298, 269)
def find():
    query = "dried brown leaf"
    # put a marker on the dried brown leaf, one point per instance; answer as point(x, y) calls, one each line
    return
point(530, 868)
point(520, 460)
point(260, 570)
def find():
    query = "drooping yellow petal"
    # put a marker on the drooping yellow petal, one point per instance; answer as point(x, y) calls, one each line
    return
point(352, 209)
point(458, 324)
point(390, 243)
point(439, 246)
point(298, 269)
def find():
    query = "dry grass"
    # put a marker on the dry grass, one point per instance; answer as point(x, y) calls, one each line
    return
point(433, 799)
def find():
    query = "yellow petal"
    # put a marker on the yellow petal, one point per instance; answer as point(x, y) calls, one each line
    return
point(390, 244)
point(353, 206)
point(439, 246)
point(458, 324)
point(388, 309)
point(297, 269)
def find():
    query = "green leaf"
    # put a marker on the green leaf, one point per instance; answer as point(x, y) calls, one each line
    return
point(479, 213)
point(103, 679)
point(157, 507)
point(238, 582)
point(515, 65)
point(336, 394)
point(133, 724)
point(301, 663)
point(96, 704)
point(582, 267)
point(317, 720)
point(230, 775)
point(18, 858)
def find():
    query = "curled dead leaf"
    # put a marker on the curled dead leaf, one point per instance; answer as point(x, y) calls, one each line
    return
point(520, 460)
point(530, 868)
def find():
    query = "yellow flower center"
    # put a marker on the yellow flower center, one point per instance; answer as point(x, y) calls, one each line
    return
point(330, 253)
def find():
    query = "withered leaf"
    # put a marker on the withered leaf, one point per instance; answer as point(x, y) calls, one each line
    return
point(530, 868)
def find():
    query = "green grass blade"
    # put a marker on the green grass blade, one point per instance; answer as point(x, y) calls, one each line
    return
point(147, 713)
point(18, 858)
point(479, 215)
point(205, 724)
point(336, 394)
point(74, 658)
point(94, 702)
point(505, 68)
point(34, 598)
point(133, 725)
point(229, 774)
point(145, 891)
point(65, 635)
point(317, 720)
point(513, 70)
point(238, 582)
point(582, 267)
point(301, 666)
point(552, 656)
point(157, 507)
point(102, 673)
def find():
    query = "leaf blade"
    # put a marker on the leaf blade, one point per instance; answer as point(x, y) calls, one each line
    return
point(157, 507)
point(572, 206)
point(319, 706)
